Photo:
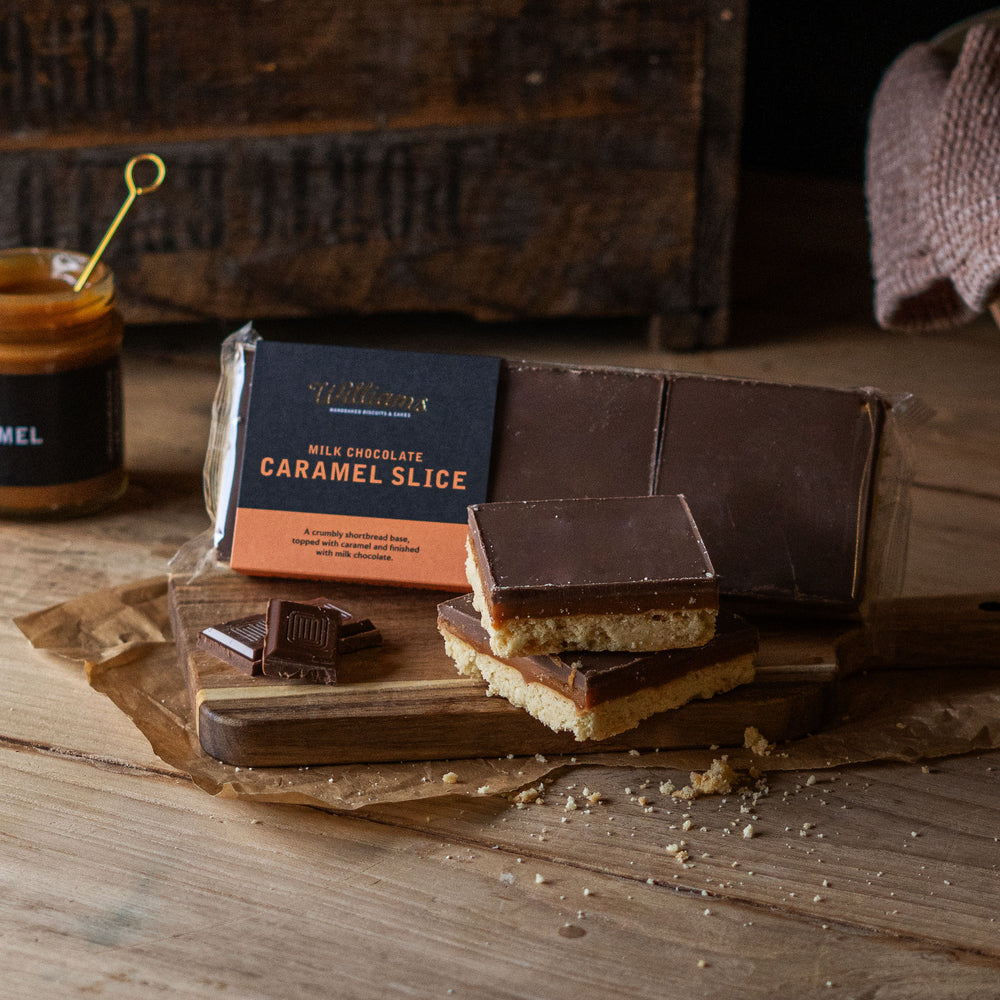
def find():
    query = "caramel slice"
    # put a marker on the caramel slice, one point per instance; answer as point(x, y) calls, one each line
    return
point(597, 695)
point(625, 573)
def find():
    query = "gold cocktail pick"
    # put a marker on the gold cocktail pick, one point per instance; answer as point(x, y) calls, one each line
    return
point(133, 192)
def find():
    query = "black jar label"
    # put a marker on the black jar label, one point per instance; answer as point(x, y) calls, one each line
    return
point(60, 427)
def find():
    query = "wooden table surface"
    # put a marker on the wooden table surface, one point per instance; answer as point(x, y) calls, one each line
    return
point(120, 878)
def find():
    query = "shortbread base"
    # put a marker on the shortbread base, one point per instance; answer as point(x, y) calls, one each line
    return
point(608, 718)
point(633, 632)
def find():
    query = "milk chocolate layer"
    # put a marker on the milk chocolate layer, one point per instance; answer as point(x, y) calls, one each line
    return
point(590, 556)
point(562, 432)
point(590, 679)
point(779, 480)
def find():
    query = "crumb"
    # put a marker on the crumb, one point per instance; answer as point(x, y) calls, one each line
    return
point(539, 879)
point(483, 789)
point(570, 803)
point(451, 778)
point(666, 787)
point(719, 779)
point(525, 796)
point(756, 743)
point(702, 964)
point(748, 831)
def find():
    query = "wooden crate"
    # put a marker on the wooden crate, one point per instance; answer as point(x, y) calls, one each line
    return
point(497, 158)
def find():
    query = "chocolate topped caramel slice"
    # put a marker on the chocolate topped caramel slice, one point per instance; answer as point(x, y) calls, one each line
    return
point(622, 573)
point(597, 695)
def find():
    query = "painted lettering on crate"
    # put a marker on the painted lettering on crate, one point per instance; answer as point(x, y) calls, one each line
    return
point(321, 191)
point(357, 189)
point(68, 200)
point(66, 63)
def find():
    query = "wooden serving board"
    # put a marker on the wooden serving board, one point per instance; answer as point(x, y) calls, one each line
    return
point(406, 701)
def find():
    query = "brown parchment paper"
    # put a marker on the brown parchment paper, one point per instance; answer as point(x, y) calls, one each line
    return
point(122, 637)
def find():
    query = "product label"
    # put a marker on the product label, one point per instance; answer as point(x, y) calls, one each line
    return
point(61, 427)
point(359, 464)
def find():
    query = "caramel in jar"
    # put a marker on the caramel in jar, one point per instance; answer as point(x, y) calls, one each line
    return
point(61, 450)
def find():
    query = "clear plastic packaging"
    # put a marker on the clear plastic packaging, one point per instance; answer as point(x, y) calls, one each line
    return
point(880, 518)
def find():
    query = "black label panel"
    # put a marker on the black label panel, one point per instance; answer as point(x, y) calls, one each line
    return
point(60, 427)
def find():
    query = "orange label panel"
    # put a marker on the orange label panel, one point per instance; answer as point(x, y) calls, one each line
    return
point(353, 549)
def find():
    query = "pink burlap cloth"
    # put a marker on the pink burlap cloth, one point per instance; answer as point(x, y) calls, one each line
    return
point(933, 185)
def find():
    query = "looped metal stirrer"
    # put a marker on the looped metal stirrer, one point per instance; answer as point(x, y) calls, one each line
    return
point(133, 192)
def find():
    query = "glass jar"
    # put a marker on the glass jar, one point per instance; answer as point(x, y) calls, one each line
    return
point(61, 450)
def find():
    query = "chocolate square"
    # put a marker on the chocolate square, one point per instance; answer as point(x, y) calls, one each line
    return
point(779, 479)
point(301, 641)
point(564, 431)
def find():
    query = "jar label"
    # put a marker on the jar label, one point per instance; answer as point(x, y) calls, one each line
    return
point(60, 427)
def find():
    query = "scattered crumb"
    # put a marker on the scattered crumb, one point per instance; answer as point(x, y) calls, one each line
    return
point(702, 964)
point(719, 779)
point(539, 879)
point(451, 778)
point(748, 831)
point(756, 743)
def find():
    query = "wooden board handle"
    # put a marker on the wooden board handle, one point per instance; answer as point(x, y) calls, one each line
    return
point(953, 631)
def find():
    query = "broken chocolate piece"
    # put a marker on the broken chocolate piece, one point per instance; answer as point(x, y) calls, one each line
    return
point(355, 635)
point(240, 642)
point(301, 642)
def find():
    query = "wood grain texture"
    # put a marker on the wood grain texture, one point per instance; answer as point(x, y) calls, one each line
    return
point(405, 701)
point(500, 160)
point(120, 879)
point(129, 906)
point(903, 850)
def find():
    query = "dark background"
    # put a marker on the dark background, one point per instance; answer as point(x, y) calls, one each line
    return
point(813, 67)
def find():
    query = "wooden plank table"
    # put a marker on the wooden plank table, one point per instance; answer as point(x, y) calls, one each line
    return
point(120, 878)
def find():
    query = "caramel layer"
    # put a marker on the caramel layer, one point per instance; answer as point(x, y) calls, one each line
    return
point(590, 679)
